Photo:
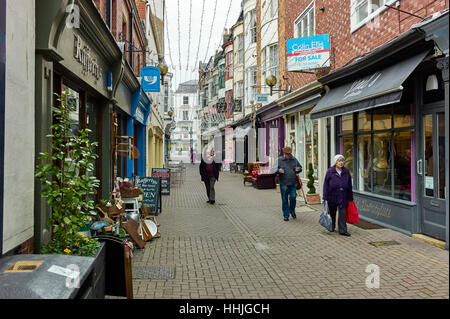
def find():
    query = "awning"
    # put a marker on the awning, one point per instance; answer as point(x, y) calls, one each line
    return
point(302, 104)
point(242, 131)
point(377, 89)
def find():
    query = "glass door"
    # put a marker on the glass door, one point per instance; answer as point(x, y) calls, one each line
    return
point(431, 172)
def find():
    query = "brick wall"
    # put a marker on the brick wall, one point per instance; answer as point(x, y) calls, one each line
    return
point(345, 45)
point(119, 10)
point(26, 248)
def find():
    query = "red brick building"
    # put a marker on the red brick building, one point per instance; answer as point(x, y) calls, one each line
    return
point(380, 99)
point(124, 19)
point(334, 18)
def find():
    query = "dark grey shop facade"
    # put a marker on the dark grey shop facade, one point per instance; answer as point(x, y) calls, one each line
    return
point(391, 115)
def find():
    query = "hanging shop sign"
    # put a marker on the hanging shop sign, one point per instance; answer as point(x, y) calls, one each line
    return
point(237, 105)
point(82, 54)
point(308, 53)
point(151, 79)
point(262, 98)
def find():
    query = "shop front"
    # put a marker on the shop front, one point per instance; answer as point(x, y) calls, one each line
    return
point(307, 138)
point(86, 63)
point(389, 116)
point(140, 110)
point(271, 134)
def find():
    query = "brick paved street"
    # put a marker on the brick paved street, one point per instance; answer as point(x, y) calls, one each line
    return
point(242, 248)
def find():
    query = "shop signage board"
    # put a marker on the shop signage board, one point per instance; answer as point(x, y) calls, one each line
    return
point(151, 186)
point(164, 174)
point(262, 98)
point(151, 79)
point(308, 52)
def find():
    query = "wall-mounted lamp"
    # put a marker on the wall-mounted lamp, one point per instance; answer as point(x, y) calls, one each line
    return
point(432, 83)
point(271, 81)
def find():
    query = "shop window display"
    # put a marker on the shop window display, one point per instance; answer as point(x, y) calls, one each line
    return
point(383, 152)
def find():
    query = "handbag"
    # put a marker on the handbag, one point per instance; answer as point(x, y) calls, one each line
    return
point(352, 213)
point(299, 181)
point(325, 219)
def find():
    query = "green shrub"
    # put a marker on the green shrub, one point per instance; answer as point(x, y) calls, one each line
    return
point(310, 175)
point(68, 184)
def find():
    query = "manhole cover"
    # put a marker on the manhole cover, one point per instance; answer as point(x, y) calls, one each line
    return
point(154, 272)
point(384, 243)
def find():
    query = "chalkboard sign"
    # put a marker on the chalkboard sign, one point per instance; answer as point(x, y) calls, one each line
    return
point(164, 174)
point(151, 186)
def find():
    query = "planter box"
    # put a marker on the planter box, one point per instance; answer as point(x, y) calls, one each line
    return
point(312, 199)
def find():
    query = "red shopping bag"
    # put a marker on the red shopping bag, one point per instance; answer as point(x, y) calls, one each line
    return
point(352, 213)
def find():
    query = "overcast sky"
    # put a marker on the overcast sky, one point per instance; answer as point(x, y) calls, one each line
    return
point(188, 48)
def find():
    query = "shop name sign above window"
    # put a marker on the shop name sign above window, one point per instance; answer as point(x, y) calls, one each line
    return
point(82, 54)
point(359, 85)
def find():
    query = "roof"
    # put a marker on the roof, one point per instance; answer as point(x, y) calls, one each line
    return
point(188, 87)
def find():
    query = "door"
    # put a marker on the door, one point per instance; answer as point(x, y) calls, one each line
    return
point(431, 173)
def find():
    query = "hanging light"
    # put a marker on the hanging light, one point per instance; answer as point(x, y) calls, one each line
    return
point(432, 83)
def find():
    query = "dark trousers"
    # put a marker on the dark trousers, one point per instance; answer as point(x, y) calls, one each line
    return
point(209, 184)
point(342, 219)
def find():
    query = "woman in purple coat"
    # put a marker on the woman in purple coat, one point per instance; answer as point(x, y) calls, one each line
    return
point(338, 191)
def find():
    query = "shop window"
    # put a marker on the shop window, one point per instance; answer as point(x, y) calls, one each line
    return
point(364, 121)
point(402, 162)
point(346, 149)
point(441, 154)
point(346, 124)
point(301, 144)
point(73, 100)
point(383, 151)
point(365, 162)
point(403, 116)
point(382, 118)
point(382, 164)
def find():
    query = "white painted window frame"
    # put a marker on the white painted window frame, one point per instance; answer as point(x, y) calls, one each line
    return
point(354, 4)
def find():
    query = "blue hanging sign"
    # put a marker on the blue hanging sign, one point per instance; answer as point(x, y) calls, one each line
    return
point(151, 79)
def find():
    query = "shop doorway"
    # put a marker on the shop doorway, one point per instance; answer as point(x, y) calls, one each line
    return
point(431, 172)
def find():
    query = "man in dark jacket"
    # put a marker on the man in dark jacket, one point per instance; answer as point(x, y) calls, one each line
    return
point(209, 172)
point(338, 191)
point(288, 168)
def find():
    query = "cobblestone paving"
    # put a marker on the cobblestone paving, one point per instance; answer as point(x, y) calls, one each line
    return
point(242, 248)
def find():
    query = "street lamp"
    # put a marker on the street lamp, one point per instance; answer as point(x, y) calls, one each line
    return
point(271, 81)
point(164, 69)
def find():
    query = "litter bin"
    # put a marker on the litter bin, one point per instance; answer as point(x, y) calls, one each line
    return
point(52, 276)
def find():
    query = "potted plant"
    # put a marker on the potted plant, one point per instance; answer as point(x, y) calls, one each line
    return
point(66, 174)
point(311, 196)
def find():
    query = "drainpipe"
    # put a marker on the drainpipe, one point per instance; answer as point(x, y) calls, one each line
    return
point(2, 112)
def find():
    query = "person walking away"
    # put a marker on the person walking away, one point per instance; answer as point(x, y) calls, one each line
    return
point(288, 168)
point(192, 156)
point(209, 172)
point(338, 191)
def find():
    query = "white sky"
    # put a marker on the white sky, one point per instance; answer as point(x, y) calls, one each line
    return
point(177, 33)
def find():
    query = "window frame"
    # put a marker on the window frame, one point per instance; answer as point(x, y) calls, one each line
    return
point(306, 14)
point(354, 4)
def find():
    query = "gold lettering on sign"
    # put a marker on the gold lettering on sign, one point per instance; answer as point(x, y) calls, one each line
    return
point(82, 53)
point(379, 210)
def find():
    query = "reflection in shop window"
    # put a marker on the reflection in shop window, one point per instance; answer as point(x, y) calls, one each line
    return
point(347, 150)
point(364, 162)
point(382, 118)
point(382, 183)
point(364, 121)
point(441, 137)
point(402, 164)
point(73, 99)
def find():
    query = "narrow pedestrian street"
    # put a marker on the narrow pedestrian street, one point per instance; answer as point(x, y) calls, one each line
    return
point(241, 248)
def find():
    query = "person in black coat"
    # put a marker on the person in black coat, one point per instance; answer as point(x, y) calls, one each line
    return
point(338, 191)
point(209, 172)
